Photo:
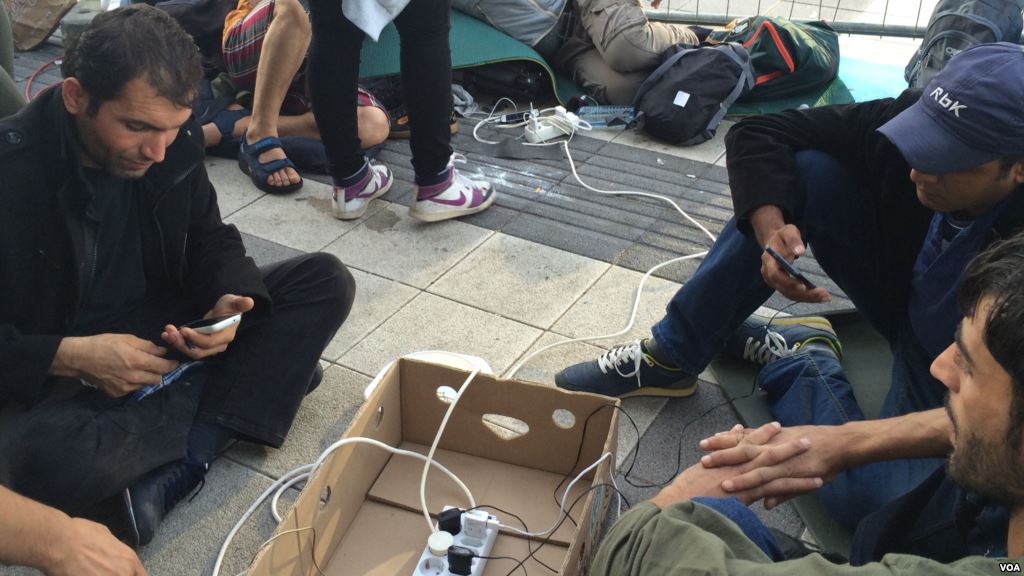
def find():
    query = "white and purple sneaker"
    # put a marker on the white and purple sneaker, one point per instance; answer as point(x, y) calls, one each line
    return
point(350, 202)
point(456, 196)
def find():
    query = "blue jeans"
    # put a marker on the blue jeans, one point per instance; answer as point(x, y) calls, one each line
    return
point(841, 222)
point(809, 387)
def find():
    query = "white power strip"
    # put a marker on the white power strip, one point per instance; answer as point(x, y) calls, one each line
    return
point(544, 128)
point(479, 531)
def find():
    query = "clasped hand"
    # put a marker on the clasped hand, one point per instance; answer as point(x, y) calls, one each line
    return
point(756, 459)
point(750, 473)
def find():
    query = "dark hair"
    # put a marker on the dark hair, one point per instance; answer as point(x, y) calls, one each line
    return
point(136, 41)
point(997, 276)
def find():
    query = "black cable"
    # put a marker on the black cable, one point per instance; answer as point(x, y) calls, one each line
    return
point(579, 454)
point(525, 528)
point(506, 558)
point(565, 515)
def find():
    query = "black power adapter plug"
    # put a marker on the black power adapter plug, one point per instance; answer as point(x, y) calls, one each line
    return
point(460, 560)
point(450, 521)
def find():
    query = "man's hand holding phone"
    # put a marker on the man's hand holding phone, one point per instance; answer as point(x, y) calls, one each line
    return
point(787, 243)
point(212, 334)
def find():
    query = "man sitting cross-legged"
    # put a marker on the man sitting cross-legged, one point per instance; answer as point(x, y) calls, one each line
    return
point(111, 240)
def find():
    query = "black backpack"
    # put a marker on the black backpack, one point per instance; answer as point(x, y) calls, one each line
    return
point(957, 25)
point(685, 98)
point(787, 57)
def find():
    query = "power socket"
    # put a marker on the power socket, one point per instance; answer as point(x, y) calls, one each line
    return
point(479, 531)
point(537, 133)
point(536, 130)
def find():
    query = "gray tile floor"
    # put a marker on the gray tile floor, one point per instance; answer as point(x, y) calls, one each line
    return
point(549, 261)
point(478, 289)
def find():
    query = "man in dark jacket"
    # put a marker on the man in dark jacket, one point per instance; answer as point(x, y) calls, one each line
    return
point(110, 242)
point(895, 196)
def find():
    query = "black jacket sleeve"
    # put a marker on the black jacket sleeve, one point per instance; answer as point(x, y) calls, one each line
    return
point(24, 363)
point(761, 150)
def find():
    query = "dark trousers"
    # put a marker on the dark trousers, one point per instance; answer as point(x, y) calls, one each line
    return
point(78, 447)
point(426, 78)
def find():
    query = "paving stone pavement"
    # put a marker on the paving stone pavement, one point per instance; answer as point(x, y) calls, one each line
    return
point(551, 265)
point(549, 261)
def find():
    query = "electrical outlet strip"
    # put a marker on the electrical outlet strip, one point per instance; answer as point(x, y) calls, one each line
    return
point(541, 129)
point(479, 531)
point(537, 132)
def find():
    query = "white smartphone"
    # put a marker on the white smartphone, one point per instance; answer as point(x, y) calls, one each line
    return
point(215, 324)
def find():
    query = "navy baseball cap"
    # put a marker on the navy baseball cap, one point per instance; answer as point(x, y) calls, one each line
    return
point(972, 112)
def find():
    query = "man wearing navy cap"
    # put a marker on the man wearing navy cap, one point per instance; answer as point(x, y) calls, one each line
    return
point(895, 196)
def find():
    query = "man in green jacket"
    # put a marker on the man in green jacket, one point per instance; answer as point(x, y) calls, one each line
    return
point(683, 530)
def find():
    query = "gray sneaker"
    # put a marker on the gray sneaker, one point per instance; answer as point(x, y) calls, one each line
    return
point(759, 342)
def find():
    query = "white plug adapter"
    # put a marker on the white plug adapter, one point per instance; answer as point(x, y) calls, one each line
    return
point(474, 523)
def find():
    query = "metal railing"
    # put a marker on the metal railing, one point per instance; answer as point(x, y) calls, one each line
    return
point(905, 18)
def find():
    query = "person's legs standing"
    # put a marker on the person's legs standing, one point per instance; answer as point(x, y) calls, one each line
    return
point(427, 84)
point(333, 69)
point(441, 192)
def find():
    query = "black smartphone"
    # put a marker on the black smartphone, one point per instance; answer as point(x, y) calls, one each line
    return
point(789, 268)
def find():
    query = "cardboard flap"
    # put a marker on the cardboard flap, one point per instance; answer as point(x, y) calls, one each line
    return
point(493, 483)
point(546, 444)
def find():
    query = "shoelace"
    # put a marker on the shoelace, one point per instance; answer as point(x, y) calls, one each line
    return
point(774, 346)
point(621, 355)
point(184, 479)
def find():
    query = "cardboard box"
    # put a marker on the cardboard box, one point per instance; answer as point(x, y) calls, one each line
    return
point(360, 514)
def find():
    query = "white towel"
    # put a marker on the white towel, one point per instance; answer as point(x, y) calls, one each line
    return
point(371, 16)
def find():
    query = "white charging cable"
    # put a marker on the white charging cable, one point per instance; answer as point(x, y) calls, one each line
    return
point(305, 472)
point(511, 372)
point(433, 448)
point(544, 124)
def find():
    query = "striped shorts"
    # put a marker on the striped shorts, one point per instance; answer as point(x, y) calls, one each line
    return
point(242, 48)
point(243, 45)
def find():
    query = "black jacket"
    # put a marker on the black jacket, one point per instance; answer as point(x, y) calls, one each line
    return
point(47, 244)
point(762, 170)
